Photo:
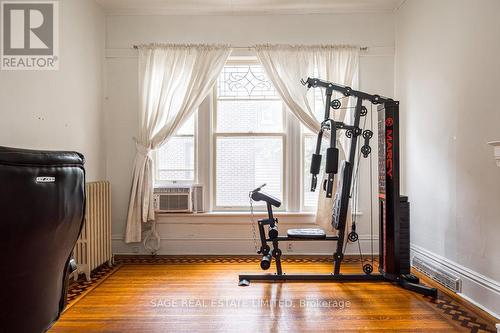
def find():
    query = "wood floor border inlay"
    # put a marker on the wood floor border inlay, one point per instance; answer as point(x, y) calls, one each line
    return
point(222, 259)
point(445, 304)
point(78, 289)
point(459, 314)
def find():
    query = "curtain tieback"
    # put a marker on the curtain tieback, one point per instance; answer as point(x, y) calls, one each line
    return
point(142, 150)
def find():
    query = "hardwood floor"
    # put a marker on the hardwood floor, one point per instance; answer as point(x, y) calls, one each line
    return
point(202, 295)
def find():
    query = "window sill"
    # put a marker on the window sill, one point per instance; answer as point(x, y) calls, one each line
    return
point(240, 213)
point(234, 213)
point(233, 217)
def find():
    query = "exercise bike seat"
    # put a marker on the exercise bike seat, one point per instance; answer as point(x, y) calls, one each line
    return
point(262, 196)
point(307, 233)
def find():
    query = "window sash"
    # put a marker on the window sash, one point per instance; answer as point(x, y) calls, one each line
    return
point(157, 169)
point(216, 135)
point(253, 61)
point(214, 173)
point(215, 109)
point(293, 146)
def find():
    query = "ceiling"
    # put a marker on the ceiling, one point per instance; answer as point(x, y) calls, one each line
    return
point(242, 7)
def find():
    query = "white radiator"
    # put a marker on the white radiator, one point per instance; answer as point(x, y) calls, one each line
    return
point(93, 247)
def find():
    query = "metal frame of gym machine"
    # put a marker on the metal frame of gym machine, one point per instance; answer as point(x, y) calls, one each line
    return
point(394, 261)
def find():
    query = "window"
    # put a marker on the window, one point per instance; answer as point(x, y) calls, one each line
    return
point(249, 136)
point(248, 139)
point(175, 160)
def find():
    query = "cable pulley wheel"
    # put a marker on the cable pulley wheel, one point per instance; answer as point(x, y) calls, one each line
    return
point(353, 236)
point(367, 134)
point(336, 104)
point(364, 111)
point(367, 268)
point(366, 150)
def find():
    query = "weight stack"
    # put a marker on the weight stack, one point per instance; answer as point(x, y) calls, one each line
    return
point(404, 235)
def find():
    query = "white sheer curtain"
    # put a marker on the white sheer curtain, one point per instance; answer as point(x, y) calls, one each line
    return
point(173, 81)
point(286, 65)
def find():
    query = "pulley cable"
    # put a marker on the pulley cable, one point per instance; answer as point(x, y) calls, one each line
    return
point(355, 188)
point(252, 222)
point(371, 190)
point(354, 195)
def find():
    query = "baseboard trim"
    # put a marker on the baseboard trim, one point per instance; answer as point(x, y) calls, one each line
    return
point(473, 283)
point(219, 239)
point(235, 246)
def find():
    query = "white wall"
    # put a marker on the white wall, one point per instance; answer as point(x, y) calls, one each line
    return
point(447, 79)
point(200, 235)
point(61, 110)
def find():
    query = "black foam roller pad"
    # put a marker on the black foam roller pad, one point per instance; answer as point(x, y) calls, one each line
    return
point(265, 262)
point(315, 164)
point(332, 160)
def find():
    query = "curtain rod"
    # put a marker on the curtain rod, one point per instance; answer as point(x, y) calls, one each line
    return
point(249, 48)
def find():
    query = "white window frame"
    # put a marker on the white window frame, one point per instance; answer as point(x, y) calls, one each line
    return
point(216, 135)
point(162, 182)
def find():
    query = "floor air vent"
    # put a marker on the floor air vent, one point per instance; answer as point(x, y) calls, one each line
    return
point(438, 274)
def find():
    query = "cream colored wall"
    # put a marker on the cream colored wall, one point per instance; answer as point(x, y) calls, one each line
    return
point(448, 78)
point(376, 67)
point(61, 110)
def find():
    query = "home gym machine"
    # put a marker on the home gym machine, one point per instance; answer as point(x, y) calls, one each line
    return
point(394, 223)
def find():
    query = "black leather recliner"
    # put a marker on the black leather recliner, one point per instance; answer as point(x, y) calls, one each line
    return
point(42, 205)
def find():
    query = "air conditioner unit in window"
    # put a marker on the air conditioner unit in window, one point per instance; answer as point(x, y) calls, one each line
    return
point(197, 197)
point(178, 199)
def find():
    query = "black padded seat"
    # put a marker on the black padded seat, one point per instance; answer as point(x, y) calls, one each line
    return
point(307, 233)
point(42, 205)
point(263, 196)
